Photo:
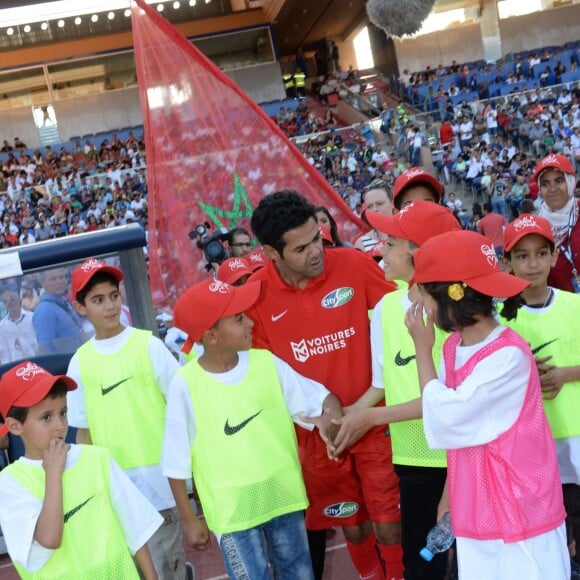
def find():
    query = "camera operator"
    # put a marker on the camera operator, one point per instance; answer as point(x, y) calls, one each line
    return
point(239, 242)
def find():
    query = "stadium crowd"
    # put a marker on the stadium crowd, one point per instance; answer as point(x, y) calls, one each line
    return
point(491, 149)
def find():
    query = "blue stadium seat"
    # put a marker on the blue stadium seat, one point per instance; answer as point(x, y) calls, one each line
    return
point(469, 96)
point(571, 77)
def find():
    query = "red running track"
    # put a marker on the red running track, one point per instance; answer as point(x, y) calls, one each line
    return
point(209, 565)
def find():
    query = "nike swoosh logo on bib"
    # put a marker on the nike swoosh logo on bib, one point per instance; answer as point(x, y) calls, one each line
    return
point(72, 512)
point(232, 430)
point(539, 348)
point(401, 361)
point(113, 386)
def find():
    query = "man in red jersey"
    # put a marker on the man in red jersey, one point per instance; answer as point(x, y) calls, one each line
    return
point(313, 313)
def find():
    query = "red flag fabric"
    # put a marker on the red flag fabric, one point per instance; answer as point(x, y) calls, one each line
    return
point(212, 154)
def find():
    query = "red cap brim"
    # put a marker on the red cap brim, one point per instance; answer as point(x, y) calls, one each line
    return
point(498, 285)
point(387, 224)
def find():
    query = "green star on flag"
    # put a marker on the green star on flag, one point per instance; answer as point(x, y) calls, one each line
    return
point(241, 208)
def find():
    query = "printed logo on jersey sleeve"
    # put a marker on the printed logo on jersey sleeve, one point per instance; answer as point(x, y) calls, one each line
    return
point(342, 509)
point(338, 297)
point(319, 345)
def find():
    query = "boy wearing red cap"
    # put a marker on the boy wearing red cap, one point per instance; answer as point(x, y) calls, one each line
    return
point(485, 409)
point(545, 322)
point(55, 496)
point(416, 184)
point(229, 421)
point(234, 271)
point(421, 471)
point(123, 374)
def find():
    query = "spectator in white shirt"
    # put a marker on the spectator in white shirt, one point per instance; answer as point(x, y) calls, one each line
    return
point(465, 131)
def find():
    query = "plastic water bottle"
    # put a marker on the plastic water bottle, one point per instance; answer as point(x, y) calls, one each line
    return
point(439, 539)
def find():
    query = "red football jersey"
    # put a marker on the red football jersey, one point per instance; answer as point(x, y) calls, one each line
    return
point(322, 330)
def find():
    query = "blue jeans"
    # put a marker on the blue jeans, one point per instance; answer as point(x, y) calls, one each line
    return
point(499, 205)
point(281, 541)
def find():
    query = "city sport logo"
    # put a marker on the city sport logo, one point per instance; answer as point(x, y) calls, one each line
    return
point(489, 253)
point(526, 222)
point(29, 371)
point(342, 509)
point(338, 297)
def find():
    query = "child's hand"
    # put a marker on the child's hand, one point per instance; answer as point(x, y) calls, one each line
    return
point(552, 382)
point(422, 332)
point(327, 429)
point(542, 364)
point(196, 534)
point(55, 456)
point(352, 427)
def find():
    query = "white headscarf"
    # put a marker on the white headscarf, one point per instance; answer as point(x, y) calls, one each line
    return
point(564, 219)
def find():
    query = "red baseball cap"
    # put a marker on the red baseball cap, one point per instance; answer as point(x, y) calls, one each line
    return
point(525, 225)
point(325, 234)
point(376, 251)
point(416, 222)
point(232, 269)
point(553, 161)
point(203, 304)
point(82, 274)
point(256, 260)
point(465, 256)
point(363, 213)
point(415, 176)
point(26, 385)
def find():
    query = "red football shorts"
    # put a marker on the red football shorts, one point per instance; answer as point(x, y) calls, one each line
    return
point(361, 485)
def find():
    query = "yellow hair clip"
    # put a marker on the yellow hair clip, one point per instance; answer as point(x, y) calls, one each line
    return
point(455, 292)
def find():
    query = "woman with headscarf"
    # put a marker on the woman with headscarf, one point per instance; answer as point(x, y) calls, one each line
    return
point(556, 181)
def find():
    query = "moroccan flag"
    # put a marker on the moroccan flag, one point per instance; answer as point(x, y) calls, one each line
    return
point(212, 154)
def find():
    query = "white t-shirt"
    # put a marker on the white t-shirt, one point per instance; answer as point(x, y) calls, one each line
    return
point(149, 479)
point(491, 119)
point(17, 338)
point(19, 512)
point(477, 412)
point(380, 157)
point(465, 129)
point(303, 396)
point(481, 408)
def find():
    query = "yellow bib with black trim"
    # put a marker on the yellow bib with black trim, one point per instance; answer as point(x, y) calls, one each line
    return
point(402, 384)
point(245, 455)
point(93, 546)
point(554, 332)
point(125, 408)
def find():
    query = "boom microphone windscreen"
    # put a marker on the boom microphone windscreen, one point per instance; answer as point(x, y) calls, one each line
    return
point(399, 17)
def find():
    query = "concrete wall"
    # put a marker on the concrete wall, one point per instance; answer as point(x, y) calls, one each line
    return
point(549, 27)
point(112, 110)
point(463, 43)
